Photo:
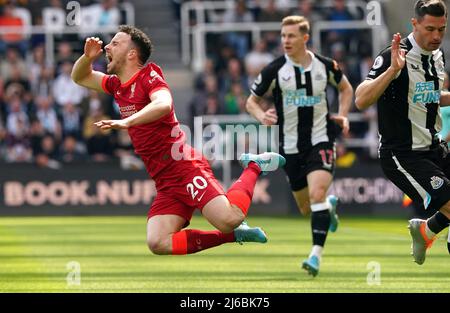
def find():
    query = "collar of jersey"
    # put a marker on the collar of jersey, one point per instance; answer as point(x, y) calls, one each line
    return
point(417, 47)
point(302, 69)
point(131, 80)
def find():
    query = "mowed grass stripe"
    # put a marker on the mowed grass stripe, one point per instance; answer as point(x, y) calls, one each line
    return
point(113, 256)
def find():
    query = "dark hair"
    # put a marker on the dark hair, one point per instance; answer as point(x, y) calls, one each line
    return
point(140, 40)
point(435, 8)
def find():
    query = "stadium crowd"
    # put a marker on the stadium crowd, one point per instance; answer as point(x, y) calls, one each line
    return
point(44, 116)
point(47, 119)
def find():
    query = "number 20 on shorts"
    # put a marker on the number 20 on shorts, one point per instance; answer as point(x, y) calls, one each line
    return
point(198, 183)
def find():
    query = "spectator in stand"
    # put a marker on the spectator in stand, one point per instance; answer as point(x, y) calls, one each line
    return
point(71, 121)
point(306, 9)
point(234, 74)
point(238, 40)
point(18, 147)
point(99, 143)
point(65, 91)
point(48, 154)
point(35, 65)
point(106, 12)
point(200, 78)
point(212, 105)
point(17, 84)
point(256, 60)
point(270, 13)
point(71, 151)
point(46, 114)
point(224, 55)
point(64, 54)
point(43, 86)
point(37, 133)
point(235, 100)
point(17, 141)
point(12, 60)
point(16, 117)
point(8, 19)
point(37, 39)
point(339, 13)
point(199, 102)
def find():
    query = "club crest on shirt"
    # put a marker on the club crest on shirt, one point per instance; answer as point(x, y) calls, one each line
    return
point(378, 62)
point(436, 182)
point(415, 67)
point(133, 87)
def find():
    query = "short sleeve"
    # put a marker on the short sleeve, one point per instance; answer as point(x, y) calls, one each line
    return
point(380, 65)
point(155, 80)
point(110, 83)
point(334, 72)
point(264, 80)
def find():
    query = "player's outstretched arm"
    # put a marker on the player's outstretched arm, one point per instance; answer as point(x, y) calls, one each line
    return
point(253, 107)
point(160, 106)
point(369, 91)
point(82, 72)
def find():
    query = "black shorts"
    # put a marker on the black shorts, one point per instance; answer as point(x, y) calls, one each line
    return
point(423, 176)
point(319, 157)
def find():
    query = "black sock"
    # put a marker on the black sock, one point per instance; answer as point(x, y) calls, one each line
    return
point(438, 222)
point(320, 222)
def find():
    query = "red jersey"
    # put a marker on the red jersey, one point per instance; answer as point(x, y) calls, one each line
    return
point(152, 141)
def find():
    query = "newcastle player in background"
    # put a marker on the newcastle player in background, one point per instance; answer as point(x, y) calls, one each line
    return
point(298, 81)
point(406, 80)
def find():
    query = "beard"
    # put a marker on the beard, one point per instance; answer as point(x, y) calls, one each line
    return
point(111, 68)
point(114, 66)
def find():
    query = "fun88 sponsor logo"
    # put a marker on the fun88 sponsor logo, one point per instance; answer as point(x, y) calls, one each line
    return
point(300, 99)
point(424, 93)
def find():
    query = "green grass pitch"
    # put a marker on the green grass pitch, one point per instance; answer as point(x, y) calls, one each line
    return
point(113, 257)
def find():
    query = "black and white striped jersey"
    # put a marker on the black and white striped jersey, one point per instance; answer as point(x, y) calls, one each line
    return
point(300, 100)
point(408, 110)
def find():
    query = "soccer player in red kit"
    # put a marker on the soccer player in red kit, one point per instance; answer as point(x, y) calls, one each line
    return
point(183, 178)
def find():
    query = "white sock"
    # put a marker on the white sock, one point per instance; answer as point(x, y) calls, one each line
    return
point(317, 251)
point(316, 207)
point(429, 232)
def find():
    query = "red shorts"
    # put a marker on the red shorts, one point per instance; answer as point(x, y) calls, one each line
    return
point(186, 186)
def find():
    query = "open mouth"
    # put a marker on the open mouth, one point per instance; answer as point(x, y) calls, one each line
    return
point(109, 58)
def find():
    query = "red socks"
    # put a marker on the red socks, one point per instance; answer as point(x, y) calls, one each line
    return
point(241, 192)
point(191, 240)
